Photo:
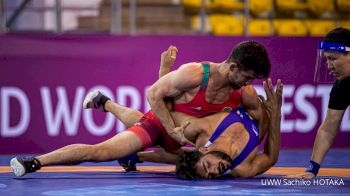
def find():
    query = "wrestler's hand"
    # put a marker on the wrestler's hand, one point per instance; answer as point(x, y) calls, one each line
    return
point(305, 175)
point(178, 134)
point(273, 103)
point(168, 57)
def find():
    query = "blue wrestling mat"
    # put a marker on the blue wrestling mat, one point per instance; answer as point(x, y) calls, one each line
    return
point(165, 183)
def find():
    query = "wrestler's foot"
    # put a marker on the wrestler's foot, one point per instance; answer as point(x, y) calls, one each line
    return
point(95, 99)
point(129, 162)
point(22, 166)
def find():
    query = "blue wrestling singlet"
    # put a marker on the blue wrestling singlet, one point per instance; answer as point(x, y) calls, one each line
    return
point(241, 116)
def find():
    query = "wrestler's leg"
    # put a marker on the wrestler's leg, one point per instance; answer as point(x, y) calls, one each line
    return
point(127, 116)
point(159, 156)
point(121, 145)
point(97, 100)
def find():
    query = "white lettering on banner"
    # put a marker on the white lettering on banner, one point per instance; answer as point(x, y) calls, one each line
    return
point(287, 108)
point(299, 96)
point(305, 108)
point(21, 127)
point(123, 92)
point(63, 113)
point(295, 99)
point(89, 120)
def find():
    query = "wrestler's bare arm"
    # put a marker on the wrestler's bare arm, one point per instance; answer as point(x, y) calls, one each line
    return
point(250, 101)
point(129, 116)
point(256, 109)
point(173, 84)
point(262, 162)
point(263, 122)
point(167, 60)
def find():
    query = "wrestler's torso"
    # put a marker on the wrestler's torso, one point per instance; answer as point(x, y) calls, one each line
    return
point(235, 138)
point(208, 97)
point(214, 94)
point(232, 141)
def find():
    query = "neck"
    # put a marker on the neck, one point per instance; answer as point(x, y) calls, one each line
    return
point(221, 75)
point(224, 145)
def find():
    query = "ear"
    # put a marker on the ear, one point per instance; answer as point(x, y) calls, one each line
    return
point(203, 150)
point(233, 65)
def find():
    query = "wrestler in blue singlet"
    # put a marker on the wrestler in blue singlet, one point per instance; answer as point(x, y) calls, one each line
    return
point(241, 116)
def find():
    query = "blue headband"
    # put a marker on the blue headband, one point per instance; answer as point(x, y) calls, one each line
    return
point(333, 46)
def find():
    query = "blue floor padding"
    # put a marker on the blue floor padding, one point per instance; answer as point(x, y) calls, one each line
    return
point(336, 158)
point(165, 183)
point(161, 183)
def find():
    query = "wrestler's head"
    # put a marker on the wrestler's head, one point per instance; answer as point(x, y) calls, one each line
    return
point(338, 63)
point(196, 165)
point(247, 61)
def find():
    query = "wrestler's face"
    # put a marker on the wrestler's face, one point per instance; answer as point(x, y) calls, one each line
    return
point(239, 77)
point(338, 64)
point(212, 166)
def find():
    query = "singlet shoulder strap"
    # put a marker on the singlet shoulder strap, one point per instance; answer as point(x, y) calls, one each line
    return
point(206, 72)
point(228, 120)
point(253, 141)
point(238, 115)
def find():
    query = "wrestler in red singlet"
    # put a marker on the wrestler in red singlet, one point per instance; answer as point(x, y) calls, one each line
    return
point(150, 130)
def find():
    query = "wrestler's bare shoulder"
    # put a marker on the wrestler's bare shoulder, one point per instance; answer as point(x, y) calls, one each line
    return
point(197, 67)
point(191, 65)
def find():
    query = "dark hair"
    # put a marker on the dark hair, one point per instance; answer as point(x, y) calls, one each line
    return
point(340, 36)
point(186, 164)
point(251, 55)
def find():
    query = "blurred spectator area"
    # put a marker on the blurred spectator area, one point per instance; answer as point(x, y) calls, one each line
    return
point(270, 17)
point(217, 17)
point(151, 17)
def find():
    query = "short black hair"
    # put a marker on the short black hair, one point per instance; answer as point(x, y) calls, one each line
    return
point(186, 164)
point(339, 35)
point(251, 55)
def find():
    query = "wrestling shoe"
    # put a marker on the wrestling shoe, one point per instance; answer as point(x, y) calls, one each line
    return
point(22, 166)
point(129, 162)
point(95, 99)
